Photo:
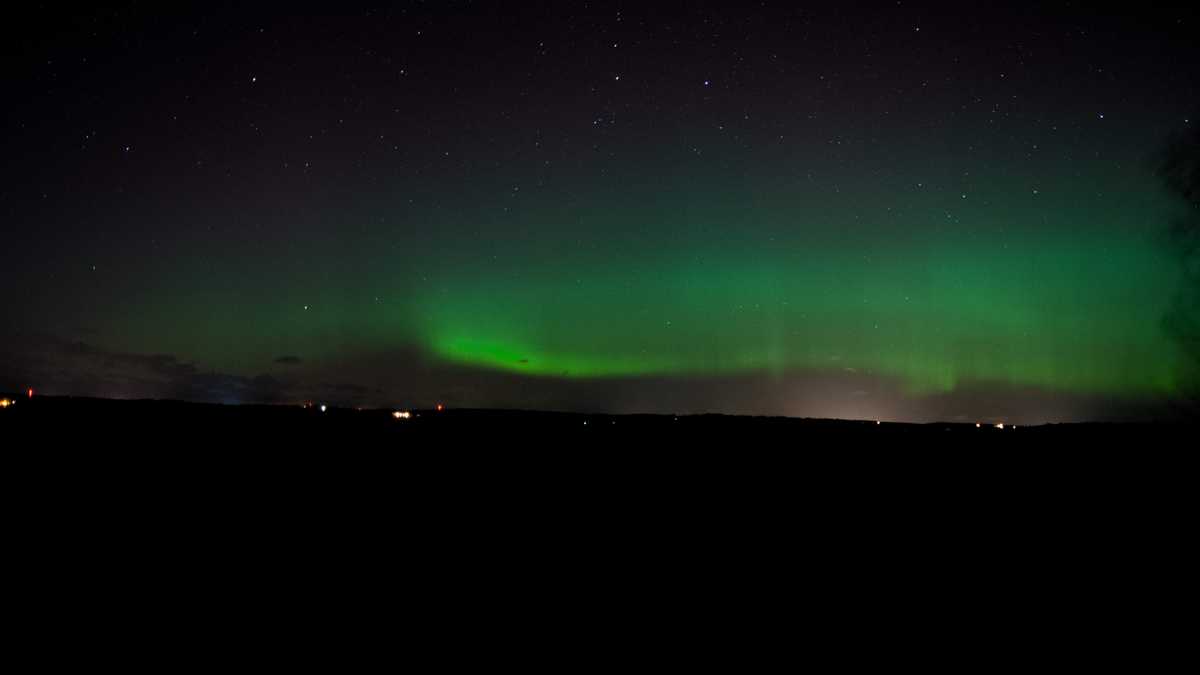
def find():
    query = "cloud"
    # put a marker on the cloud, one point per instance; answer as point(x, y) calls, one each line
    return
point(62, 367)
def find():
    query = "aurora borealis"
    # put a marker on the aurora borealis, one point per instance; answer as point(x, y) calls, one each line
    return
point(903, 213)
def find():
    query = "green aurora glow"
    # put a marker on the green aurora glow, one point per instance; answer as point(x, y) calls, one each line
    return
point(964, 293)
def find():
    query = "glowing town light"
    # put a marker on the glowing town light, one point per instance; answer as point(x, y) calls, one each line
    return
point(440, 407)
point(30, 392)
point(322, 407)
point(1000, 425)
point(402, 414)
point(4, 403)
point(977, 425)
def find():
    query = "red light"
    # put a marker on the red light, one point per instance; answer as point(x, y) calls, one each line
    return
point(30, 392)
point(439, 407)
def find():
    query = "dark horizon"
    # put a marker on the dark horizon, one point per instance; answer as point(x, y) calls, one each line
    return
point(89, 415)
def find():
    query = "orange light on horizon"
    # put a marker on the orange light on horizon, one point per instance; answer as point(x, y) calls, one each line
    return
point(4, 403)
point(440, 407)
point(30, 392)
point(402, 414)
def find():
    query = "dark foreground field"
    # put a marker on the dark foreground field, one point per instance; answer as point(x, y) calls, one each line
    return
point(748, 528)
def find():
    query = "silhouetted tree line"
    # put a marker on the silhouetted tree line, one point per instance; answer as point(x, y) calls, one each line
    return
point(1179, 169)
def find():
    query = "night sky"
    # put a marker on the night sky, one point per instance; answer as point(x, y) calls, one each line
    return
point(894, 211)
